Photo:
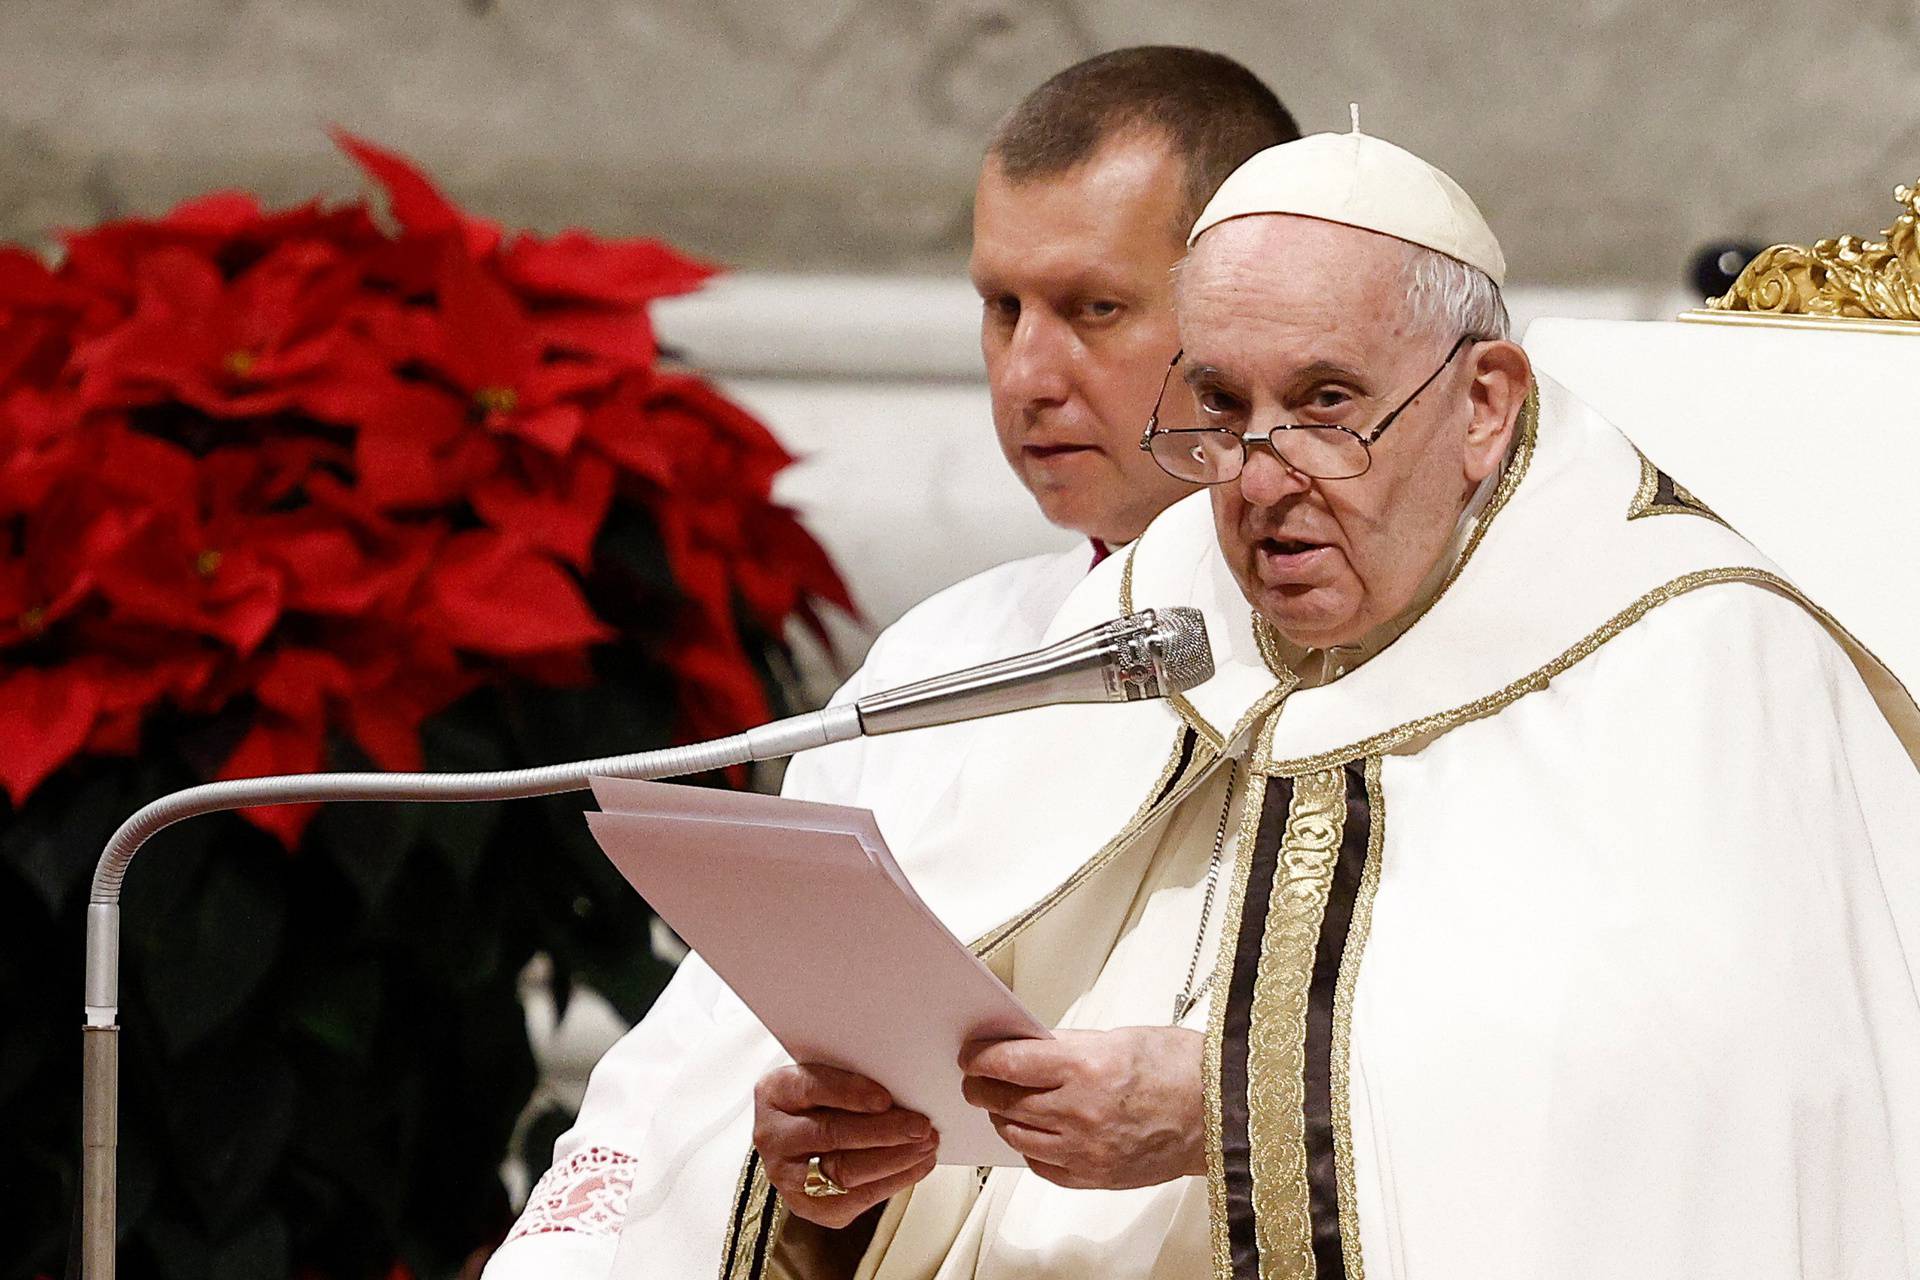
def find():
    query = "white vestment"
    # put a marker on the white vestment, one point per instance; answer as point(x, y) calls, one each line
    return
point(573, 1218)
point(1573, 934)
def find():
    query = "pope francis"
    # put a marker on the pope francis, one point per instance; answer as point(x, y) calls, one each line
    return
point(1533, 892)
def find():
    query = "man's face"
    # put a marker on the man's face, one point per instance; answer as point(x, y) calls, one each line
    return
point(1289, 319)
point(1075, 278)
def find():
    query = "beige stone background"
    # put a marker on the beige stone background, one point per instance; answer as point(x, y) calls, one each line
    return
point(1606, 139)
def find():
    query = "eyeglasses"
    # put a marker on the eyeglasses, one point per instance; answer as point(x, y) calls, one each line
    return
point(1215, 455)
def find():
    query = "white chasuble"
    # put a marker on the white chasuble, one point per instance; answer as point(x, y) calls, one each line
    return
point(1572, 934)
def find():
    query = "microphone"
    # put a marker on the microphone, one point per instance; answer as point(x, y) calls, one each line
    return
point(1149, 654)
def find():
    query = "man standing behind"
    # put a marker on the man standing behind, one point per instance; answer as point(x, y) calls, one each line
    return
point(1081, 211)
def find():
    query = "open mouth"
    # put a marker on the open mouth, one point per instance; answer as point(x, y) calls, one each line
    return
point(1055, 450)
point(1288, 546)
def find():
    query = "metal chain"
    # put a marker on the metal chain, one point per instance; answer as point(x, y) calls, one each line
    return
point(1184, 1002)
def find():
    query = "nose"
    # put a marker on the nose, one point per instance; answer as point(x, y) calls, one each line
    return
point(1039, 359)
point(1265, 480)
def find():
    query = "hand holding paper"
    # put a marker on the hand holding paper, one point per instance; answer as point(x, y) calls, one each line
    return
point(865, 1144)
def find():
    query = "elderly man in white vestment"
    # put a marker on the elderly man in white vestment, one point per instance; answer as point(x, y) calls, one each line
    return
point(1533, 892)
point(1081, 212)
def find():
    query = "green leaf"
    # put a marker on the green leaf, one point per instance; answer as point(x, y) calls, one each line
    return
point(369, 843)
point(337, 1004)
point(229, 1110)
point(204, 922)
point(257, 1251)
point(467, 738)
point(56, 839)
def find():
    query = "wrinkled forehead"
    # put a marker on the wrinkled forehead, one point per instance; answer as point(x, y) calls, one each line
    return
point(1285, 272)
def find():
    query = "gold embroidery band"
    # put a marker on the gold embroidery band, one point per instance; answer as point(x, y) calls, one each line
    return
point(1280, 1049)
point(755, 1214)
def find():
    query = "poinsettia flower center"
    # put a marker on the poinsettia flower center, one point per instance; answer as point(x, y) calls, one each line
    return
point(497, 399)
point(240, 363)
point(34, 620)
point(207, 563)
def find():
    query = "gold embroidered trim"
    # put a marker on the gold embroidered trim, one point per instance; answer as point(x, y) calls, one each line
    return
point(1358, 927)
point(1263, 635)
point(1255, 802)
point(731, 1245)
point(1443, 721)
point(1277, 1025)
point(1178, 701)
point(1287, 681)
point(1528, 429)
point(1646, 497)
point(738, 1265)
point(985, 946)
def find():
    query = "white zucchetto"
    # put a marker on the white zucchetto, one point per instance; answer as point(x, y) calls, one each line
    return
point(1361, 181)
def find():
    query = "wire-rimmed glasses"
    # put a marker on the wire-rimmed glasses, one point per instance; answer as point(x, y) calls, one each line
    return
point(1202, 454)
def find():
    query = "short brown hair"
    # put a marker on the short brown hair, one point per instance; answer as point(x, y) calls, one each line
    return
point(1213, 112)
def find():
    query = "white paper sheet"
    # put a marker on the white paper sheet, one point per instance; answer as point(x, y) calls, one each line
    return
point(802, 910)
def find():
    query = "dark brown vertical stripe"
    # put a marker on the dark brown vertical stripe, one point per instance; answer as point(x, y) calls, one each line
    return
point(765, 1235)
point(1323, 1179)
point(1187, 742)
point(739, 1214)
point(1235, 1142)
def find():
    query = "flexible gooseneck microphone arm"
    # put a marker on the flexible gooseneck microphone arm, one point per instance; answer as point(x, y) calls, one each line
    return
point(1143, 655)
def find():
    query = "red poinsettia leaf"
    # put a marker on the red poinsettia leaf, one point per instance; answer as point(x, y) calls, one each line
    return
point(417, 204)
point(576, 381)
point(388, 732)
point(129, 688)
point(139, 468)
point(557, 507)
point(331, 571)
point(297, 683)
point(621, 431)
point(26, 281)
point(496, 595)
point(274, 745)
point(724, 691)
point(580, 266)
point(417, 450)
point(553, 428)
point(218, 213)
point(785, 551)
point(44, 718)
point(170, 575)
point(485, 342)
point(624, 338)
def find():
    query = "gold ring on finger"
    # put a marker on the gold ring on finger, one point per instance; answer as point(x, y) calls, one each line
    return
point(818, 1184)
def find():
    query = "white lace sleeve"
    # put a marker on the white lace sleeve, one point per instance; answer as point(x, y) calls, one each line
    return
point(585, 1193)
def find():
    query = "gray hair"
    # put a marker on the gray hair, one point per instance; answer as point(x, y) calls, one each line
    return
point(1448, 298)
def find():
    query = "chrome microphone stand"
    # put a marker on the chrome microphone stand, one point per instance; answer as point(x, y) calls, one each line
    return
point(1143, 655)
point(100, 1083)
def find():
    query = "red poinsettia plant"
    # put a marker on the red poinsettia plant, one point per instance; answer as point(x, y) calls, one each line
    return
point(341, 486)
point(341, 472)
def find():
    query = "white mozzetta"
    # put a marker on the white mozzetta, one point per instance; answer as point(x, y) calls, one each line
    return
point(1805, 440)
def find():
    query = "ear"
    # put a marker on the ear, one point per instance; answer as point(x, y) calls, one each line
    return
point(1502, 375)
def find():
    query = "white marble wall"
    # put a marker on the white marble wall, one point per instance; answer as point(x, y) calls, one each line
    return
point(1606, 138)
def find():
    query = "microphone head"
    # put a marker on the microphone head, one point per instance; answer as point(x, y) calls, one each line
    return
point(1182, 656)
point(1156, 652)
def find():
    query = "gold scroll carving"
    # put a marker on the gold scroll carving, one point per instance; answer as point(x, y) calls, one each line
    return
point(1847, 278)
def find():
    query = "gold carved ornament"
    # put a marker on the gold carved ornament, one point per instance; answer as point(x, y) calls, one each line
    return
point(1847, 278)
